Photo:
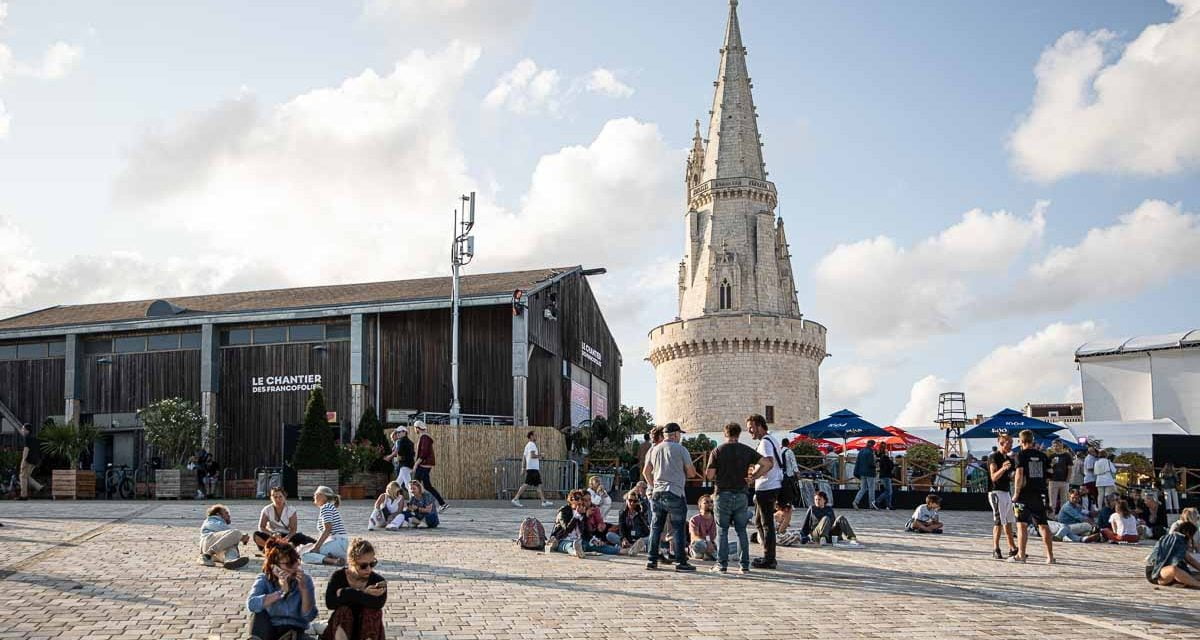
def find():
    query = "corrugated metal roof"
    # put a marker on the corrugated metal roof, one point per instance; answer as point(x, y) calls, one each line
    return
point(281, 299)
point(1139, 343)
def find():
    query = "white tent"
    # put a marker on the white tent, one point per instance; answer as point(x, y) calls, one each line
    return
point(1133, 435)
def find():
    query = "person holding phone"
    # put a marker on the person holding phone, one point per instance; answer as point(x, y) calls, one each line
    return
point(355, 597)
point(283, 598)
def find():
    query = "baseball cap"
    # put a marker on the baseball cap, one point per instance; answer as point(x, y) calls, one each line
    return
point(401, 429)
point(673, 428)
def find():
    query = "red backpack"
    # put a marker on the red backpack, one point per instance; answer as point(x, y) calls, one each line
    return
point(531, 535)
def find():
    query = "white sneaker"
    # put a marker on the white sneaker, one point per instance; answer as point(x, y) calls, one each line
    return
point(199, 494)
point(547, 503)
point(515, 503)
point(394, 525)
point(444, 507)
point(370, 527)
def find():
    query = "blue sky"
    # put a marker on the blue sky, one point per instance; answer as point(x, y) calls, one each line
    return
point(146, 146)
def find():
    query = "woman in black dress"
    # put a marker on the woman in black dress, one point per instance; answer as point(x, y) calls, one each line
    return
point(355, 597)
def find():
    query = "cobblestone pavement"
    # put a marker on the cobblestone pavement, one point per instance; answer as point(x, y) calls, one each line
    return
point(128, 570)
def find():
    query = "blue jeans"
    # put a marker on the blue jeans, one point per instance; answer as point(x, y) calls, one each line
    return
point(732, 507)
point(866, 483)
point(665, 505)
point(606, 549)
point(885, 496)
point(430, 519)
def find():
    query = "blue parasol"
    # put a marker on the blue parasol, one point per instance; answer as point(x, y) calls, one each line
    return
point(1011, 422)
point(842, 424)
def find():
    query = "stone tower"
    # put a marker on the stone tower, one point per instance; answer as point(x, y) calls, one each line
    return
point(739, 344)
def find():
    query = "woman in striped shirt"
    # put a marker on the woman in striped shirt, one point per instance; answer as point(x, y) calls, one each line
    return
point(330, 547)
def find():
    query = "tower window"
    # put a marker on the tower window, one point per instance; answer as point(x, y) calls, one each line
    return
point(726, 295)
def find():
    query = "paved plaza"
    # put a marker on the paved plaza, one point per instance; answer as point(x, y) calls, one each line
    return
point(98, 569)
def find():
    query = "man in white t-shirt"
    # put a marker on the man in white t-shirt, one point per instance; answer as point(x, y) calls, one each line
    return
point(533, 472)
point(766, 490)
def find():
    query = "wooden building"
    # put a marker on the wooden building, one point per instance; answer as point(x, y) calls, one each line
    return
point(249, 359)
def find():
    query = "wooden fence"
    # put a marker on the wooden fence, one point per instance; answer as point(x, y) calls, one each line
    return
point(466, 455)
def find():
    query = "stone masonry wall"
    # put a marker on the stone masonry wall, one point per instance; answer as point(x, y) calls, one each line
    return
point(718, 369)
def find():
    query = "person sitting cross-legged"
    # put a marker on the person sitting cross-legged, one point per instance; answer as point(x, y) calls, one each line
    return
point(390, 508)
point(703, 530)
point(355, 597)
point(1123, 525)
point(1170, 563)
point(821, 524)
point(422, 506)
point(279, 519)
point(633, 526)
point(925, 517)
point(571, 525)
point(219, 540)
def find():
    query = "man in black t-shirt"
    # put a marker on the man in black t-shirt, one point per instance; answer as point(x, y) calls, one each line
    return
point(731, 466)
point(1000, 469)
point(1060, 475)
point(1033, 467)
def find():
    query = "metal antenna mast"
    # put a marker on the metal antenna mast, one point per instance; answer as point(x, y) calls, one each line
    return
point(462, 251)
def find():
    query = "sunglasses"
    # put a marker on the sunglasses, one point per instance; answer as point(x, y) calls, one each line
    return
point(363, 566)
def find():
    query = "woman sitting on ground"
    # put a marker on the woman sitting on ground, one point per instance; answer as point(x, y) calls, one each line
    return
point(570, 531)
point(422, 507)
point(330, 547)
point(1192, 515)
point(633, 526)
point(925, 517)
point(702, 528)
point(1154, 517)
point(355, 597)
point(1123, 525)
point(600, 531)
point(599, 496)
point(279, 520)
point(821, 524)
point(1170, 563)
point(389, 508)
point(283, 599)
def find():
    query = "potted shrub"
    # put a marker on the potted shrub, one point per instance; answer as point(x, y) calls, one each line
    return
point(353, 461)
point(923, 462)
point(66, 442)
point(316, 457)
point(173, 427)
point(376, 471)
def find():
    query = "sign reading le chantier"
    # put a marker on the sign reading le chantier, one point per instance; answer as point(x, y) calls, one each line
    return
point(279, 384)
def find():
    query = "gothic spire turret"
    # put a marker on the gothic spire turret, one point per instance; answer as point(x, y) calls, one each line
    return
point(733, 140)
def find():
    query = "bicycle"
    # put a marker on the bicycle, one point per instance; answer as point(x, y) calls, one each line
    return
point(118, 480)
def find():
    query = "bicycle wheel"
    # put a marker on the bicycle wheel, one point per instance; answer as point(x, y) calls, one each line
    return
point(125, 489)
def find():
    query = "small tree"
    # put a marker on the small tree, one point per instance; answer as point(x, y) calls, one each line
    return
point(315, 450)
point(635, 420)
point(923, 459)
point(173, 426)
point(804, 448)
point(1140, 470)
point(67, 441)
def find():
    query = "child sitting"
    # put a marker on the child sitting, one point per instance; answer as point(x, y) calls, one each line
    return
point(925, 517)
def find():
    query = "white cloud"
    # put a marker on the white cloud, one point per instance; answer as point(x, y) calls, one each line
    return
point(1135, 114)
point(1037, 368)
point(844, 386)
point(5, 121)
point(526, 89)
point(1146, 247)
point(58, 61)
point(605, 82)
point(922, 405)
point(886, 295)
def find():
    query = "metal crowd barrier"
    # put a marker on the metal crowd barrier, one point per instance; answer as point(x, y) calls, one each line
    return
point(558, 476)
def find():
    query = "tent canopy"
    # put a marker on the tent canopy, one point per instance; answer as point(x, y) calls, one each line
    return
point(1136, 435)
point(899, 440)
point(1011, 422)
point(841, 424)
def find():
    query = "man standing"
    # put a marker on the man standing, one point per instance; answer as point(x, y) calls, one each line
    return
point(425, 462)
point(730, 466)
point(1060, 475)
point(766, 490)
point(668, 466)
point(533, 472)
point(886, 467)
point(1030, 486)
point(1089, 477)
point(31, 457)
point(1000, 470)
point(403, 455)
point(864, 470)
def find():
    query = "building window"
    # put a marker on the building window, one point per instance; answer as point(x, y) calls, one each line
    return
point(726, 295)
point(8, 353)
point(163, 342)
point(337, 332)
point(270, 335)
point(58, 349)
point(189, 341)
point(96, 347)
point(231, 337)
point(770, 414)
point(129, 345)
point(306, 333)
point(31, 351)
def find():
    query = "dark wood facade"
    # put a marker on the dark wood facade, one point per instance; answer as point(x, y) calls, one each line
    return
point(125, 383)
point(33, 389)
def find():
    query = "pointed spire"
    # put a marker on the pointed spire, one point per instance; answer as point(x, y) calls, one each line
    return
point(734, 150)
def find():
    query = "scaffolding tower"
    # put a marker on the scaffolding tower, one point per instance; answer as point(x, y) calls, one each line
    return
point(952, 418)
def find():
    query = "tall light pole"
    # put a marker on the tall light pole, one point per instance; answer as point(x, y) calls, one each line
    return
point(462, 250)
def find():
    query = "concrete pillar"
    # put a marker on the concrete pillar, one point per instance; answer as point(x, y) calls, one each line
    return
point(358, 371)
point(73, 391)
point(210, 381)
point(520, 369)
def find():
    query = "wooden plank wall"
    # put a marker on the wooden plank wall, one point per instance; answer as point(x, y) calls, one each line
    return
point(466, 456)
point(33, 389)
point(133, 381)
point(250, 422)
point(416, 360)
